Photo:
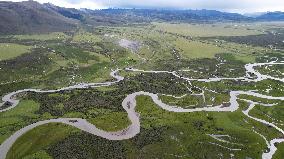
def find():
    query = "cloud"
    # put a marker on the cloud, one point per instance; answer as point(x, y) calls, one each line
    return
point(90, 4)
point(223, 5)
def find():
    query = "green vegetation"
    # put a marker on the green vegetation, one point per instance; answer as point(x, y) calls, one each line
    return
point(42, 37)
point(279, 154)
point(19, 117)
point(42, 136)
point(271, 114)
point(207, 30)
point(9, 51)
point(195, 49)
point(90, 54)
point(85, 37)
point(186, 133)
point(40, 154)
point(25, 68)
point(188, 130)
point(195, 101)
point(110, 121)
point(274, 71)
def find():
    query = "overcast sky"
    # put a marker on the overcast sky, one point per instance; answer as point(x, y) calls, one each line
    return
point(241, 6)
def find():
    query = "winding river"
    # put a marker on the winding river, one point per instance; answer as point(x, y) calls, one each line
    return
point(129, 104)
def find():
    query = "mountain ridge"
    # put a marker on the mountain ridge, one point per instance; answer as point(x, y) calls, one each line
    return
point(33, 17)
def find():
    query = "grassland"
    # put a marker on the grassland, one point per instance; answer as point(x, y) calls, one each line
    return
point(110, 121)
point(21, 116)
point(186, 128)
point(156, 44)
point(85, 37)
point(43, 137)
point(9, 51)
point(187, 135)
point(88, 56)
point(196, 49)
point(274, 114)
point(207, 30)
point(279, 154)
point(42, 37)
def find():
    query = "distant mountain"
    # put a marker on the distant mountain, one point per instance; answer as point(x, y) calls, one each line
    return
point(254, 15)
point(173, 15)
point(129, 16)
point(272, 16)
point(31, 17)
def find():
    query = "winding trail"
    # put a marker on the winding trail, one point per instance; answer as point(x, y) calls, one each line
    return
point(129, 104)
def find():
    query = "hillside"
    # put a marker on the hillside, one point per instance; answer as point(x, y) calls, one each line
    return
point(33, 17)
point(30, 16)
point(271, 16)
point(150, 15)
point(175, 15)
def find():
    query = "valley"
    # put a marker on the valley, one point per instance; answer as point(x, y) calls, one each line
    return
point(154, 88)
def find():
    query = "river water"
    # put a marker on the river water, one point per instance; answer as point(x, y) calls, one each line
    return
point(129, 104)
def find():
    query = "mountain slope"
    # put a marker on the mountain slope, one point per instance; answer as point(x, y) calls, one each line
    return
point(31, 17)
point(66, 12)
point(272, 16)
point(173, 15)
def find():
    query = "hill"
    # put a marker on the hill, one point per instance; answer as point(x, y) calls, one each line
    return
point(271, 16)
point(170, 15)
point(31, 16)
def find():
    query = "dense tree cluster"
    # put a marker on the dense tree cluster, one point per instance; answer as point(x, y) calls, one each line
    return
point(87, 146)
point(271, 40)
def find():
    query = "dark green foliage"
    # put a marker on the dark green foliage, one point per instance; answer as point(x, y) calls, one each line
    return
point(5, 105)
point(270, 57)
point(155, 83)
point(25, 66)
point(148, 137)
point(209, 67)
point(163, 134)
point(87, 146)
point(10, 87)
point(83, 100)
point(78, 101)
point(71, 52)
point(273, 39)
point(111, 49)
